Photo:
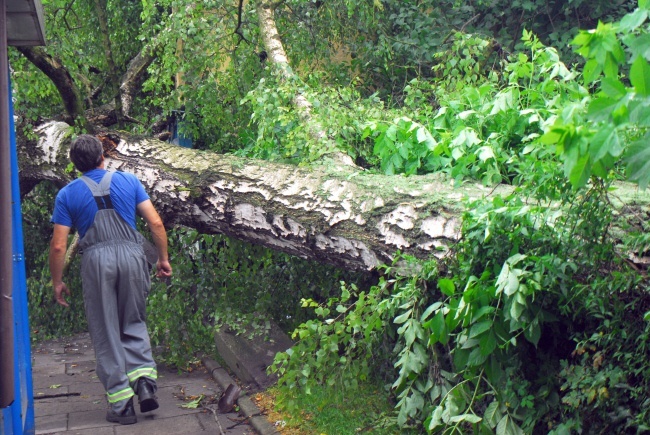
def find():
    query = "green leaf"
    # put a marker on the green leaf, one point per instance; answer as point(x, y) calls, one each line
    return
point(438, 327)
point(533, 332)
point(502, 280)
point(452, 408)
point(591, 71)
point(412, 166)
point(391, 133)
point(430, 309)
point(507, 426)
point(492, 414)
point(580, 172)
point(640, 76)
point(513, 284)
point(476, 358)
point(606, 141)
point(436, 418)
point(637, 159)
point(633, 20)
point(600, 109)
point(613, 88)
point(553, 136)
point(516, 309)
point(447, 286)
point(639, 45)
point(488, 343)
point(583, 38)
point(482, 312)
point(414, 403)
point(640, 111)
point(403, 317)
point(646, 316)
point(460, 358)
point(410, 331)
point(422, 135)
point(193, 404)
point(469, 418)
point(479, 328)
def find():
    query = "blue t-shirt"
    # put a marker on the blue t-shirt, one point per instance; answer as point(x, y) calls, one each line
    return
point(76, 207)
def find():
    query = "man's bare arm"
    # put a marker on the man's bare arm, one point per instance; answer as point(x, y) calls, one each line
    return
point(58, 246)
point(155, 224)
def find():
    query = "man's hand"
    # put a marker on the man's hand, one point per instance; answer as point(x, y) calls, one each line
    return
point(59, 290)
point(163, 269)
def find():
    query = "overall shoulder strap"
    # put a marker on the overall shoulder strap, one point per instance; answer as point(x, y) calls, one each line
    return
point(100, 191)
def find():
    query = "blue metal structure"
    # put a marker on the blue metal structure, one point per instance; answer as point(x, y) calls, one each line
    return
point(18, 418)
point(179, 135)
point(21, 23)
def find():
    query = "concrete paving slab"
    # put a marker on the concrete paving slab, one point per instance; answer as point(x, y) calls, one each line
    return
point(52, 389)
point(163, 426)
point(44, 382)
point(80, 368)
point(48, 369)
point(88, 419)
point(64, 405)
point(51, 423)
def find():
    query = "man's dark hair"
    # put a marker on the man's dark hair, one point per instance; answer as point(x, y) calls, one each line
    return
point(86, 152)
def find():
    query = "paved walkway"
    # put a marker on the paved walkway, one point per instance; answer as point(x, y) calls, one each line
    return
point(69, 399)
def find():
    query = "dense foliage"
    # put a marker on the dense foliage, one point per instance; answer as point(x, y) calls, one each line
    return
point(536, 323)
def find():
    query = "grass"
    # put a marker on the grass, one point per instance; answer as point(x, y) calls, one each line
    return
point(329, 411)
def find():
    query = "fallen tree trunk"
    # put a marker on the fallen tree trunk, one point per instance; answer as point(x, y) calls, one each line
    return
point(336, 215)
point(330, 213)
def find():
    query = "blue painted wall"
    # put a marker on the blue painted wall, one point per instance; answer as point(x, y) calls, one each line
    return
point(18, 418)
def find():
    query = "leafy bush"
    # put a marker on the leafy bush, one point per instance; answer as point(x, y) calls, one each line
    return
point(486, 122)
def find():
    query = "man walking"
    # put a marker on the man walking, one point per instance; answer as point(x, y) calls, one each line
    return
point(102, 206)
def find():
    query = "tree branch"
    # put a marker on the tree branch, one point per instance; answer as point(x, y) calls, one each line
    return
point(278, 58)
point(70, 94)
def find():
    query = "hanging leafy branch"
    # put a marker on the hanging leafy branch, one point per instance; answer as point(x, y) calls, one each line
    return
point(614, 124)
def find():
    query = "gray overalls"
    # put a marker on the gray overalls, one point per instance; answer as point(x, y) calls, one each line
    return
point(115, 279)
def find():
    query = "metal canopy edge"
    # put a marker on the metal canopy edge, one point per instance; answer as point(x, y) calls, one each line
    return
point(25, 22)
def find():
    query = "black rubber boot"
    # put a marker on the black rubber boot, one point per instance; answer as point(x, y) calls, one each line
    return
point(127, 416)
point(146, 396)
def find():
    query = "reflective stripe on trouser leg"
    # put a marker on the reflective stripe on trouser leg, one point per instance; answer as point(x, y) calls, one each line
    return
point(147, 372)
point(119, 396)
point(118, 407)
